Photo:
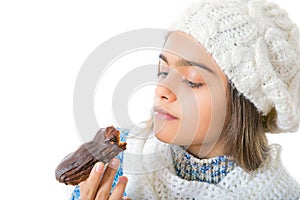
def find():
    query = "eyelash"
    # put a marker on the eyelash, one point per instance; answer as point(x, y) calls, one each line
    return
point(189, 83)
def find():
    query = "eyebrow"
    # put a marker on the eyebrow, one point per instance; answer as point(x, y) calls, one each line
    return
point(183, 62)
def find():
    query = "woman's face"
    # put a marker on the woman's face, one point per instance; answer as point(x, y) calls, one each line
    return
point(190, 98)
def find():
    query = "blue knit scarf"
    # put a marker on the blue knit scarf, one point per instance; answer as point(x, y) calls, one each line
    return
point(211, 170)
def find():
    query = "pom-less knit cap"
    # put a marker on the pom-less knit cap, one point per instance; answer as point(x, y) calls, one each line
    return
point(256, 45)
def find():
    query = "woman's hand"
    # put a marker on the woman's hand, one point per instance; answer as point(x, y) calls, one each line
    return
point(98, 185)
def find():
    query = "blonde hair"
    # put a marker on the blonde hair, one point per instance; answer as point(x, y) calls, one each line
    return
point(244, 132)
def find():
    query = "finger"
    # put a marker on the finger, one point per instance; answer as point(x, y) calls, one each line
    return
point(107, 179)
point(119, 189)
point(126, 198)
point(89, 187)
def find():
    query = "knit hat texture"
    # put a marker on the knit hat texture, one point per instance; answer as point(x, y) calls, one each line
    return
point(257, 46)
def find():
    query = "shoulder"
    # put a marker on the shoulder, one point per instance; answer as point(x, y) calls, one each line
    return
point(276, 179)
point(270, 181)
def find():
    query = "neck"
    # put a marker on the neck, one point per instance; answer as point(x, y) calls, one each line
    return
point(206, 150)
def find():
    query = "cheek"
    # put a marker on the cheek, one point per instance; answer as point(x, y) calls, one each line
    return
point(212, 116)
point(193, 123)
point(204, 116)
point(166, 131)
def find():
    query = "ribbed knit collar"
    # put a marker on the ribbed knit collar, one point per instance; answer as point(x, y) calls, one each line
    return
point(211, 170)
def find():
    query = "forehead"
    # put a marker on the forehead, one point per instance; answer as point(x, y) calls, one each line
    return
point(186, 47)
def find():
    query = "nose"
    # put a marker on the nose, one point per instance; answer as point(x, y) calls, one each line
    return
point(164, 93)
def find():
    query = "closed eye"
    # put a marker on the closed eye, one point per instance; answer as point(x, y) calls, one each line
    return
point(189, 83)
point(192, 84)
point(162, 74)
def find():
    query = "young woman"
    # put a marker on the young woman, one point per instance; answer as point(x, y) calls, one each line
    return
point(229, 73)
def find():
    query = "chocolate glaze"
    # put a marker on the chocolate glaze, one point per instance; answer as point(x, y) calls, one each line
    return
point(76, 166)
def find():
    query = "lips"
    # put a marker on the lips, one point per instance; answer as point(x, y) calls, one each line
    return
point(163, 114)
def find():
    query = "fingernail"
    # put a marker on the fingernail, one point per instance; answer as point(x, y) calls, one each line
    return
point(123, 179)
point(114, 163)
point(124, 198)
point(99, 166)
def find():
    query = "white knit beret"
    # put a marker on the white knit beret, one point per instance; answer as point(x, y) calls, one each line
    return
point(256, 45)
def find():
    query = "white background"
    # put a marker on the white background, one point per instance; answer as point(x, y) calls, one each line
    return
point(42, 47)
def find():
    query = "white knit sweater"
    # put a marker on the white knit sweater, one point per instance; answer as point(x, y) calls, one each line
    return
point(150, 171)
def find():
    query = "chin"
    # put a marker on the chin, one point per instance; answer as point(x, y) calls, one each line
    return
point(161, 138)
point(164, 134)
point(165, 137)
point(168, 132)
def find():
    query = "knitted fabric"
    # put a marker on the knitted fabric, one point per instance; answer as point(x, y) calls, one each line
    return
point(257, 46)
point(151, 173)
point(150, 170)
point(210, 170)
